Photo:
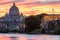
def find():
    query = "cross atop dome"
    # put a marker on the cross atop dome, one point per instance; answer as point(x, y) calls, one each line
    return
point(13, 3)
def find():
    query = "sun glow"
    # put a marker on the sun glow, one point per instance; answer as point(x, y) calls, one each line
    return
point(29, 7)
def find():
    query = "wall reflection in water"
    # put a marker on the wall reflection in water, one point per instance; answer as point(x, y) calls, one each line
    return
point(28, 37)
point(5, 38)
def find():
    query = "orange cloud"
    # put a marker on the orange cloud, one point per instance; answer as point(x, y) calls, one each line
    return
point(29, 7)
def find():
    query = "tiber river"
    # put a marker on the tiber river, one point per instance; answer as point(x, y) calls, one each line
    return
point(28, 37)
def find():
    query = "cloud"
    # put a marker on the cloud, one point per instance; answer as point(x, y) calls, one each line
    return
point(2, 2)
point(18, 0)
point(10, 1)
point(48, 0)
point(7, 2)
point(32, 3)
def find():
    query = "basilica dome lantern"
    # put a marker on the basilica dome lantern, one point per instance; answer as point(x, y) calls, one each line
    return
point(14, 10)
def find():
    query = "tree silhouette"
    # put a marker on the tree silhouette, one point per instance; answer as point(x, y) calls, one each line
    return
point(33, 22)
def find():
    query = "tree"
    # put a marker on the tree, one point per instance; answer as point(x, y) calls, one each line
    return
point(57, 28)
point(42, 15)
point(33, 22)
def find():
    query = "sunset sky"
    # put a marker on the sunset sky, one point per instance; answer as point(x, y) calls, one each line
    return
point(31, 7)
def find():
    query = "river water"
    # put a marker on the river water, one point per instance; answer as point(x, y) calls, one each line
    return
point(28, 37)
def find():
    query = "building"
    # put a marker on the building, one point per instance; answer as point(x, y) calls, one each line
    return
point(51, 21)
point(13, 20)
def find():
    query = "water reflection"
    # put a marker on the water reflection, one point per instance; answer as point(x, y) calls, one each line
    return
point(4, 38)
point(28, 37)
point(13, 38)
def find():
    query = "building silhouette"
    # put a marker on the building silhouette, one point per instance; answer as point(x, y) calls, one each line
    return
point(13, 20)
point(51, 22)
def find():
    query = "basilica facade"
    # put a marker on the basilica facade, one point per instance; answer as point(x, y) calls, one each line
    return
point(14, 20)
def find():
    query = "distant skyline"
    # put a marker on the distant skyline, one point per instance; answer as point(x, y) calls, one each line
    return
point(30, 7)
